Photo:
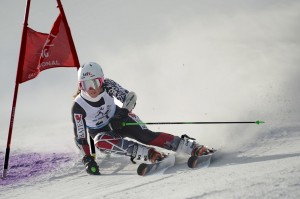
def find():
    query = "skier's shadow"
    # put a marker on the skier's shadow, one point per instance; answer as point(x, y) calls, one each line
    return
point(221, 159)
point(115, 165)
point(227, 159)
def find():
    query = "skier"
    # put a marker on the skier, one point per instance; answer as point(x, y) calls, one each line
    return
point(95, 112)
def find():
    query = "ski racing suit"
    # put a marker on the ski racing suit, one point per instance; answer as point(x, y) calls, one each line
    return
point(92, 117)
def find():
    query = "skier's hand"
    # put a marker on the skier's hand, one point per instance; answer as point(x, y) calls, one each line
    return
point(122, 113)
point(91, 166)
point(116, 122)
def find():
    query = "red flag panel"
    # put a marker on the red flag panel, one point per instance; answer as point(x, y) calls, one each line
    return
point(57, 50)
point(44, 51)
point(34, 45)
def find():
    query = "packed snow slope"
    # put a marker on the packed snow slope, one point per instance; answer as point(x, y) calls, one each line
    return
point(268, 166)
point(194, 60)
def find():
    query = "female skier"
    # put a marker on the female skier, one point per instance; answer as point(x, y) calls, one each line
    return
point(95, 112)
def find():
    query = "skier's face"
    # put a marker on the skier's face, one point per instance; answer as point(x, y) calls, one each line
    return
point(93, 87)
point(94, 92)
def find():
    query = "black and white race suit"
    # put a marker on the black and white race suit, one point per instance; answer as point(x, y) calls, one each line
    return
point(92, 115)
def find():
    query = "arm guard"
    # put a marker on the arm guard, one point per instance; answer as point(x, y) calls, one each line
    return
point(130, 101)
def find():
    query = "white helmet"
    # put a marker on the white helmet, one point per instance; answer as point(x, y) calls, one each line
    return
point(90, 70)
point(90, 74)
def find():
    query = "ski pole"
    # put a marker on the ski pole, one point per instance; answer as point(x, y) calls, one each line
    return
point(165, 123)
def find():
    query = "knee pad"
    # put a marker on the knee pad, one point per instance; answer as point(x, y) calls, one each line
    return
point(106, 142)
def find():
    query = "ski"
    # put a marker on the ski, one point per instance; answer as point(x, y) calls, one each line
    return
point(148, 169)
point(204, 160)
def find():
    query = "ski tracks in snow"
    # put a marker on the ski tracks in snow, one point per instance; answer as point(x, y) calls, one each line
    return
point(267, 166)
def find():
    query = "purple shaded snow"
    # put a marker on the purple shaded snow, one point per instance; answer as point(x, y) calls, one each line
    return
point(29, 165)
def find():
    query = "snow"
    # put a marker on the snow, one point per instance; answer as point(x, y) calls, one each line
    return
point(265, 167)
point(197, 61)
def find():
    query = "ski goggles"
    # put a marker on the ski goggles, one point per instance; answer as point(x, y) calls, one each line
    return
point(92, 83)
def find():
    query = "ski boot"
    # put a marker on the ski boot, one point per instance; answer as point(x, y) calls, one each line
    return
point(189, 146)
point(197, 151)
point(146, 154)
point(153, 160)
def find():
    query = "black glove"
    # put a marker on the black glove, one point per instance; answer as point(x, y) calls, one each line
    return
point(116, 122)
point(91, 166)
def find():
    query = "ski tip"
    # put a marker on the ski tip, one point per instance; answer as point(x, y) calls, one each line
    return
point(142, 169)
point(192, 162)
point(258, 122)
